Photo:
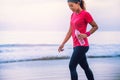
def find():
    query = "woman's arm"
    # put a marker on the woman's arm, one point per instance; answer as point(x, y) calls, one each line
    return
point(94, 27)
point(92, 30)
point(68, 35)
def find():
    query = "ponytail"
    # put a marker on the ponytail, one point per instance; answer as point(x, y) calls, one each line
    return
point(82, 4)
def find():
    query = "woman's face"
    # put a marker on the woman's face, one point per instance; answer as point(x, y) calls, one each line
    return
point(73, 6)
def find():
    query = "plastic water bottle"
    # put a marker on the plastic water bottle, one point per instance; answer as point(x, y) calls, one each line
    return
point(81, 41)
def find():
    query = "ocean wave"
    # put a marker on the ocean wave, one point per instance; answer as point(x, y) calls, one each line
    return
point(18, 53)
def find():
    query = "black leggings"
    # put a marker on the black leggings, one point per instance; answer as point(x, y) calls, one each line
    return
point(79, 57)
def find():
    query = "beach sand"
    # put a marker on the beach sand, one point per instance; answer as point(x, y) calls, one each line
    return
point(103, 69)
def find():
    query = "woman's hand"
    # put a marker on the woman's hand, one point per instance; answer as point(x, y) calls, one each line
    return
point(81, 36)
point(61, 48)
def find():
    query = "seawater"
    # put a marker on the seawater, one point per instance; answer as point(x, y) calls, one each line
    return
point(29, 52)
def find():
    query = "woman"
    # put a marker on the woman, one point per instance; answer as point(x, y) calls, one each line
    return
point(79, 20)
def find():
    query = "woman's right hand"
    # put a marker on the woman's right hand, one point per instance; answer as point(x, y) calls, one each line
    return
point(61, 48)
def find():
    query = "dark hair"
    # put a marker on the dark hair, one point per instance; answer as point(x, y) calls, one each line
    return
point(82, 3)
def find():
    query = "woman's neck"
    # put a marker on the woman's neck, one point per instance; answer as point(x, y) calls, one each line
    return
point(79, 10)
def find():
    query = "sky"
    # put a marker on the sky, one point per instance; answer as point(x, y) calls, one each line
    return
point(27, 21)
point(32, 15)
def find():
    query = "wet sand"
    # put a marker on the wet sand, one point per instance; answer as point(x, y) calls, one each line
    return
point(103, 69)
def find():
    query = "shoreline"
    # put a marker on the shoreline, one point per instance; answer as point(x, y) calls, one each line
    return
point(55, 58)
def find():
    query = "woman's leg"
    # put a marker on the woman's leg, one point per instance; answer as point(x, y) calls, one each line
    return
point(84, 64)
point(73, 64)
point(88, 72)
point(79, 57)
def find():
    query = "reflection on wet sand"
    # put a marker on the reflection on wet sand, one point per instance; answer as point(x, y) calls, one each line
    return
point(103, 68)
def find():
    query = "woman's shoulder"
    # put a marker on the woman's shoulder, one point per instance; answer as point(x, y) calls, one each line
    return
point(86, 12)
